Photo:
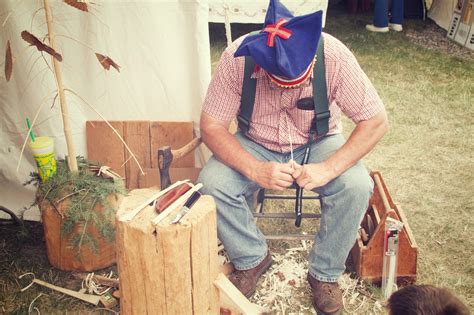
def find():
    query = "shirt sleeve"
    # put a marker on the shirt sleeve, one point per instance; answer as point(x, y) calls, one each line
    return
point(223, 94)
point(354, 93)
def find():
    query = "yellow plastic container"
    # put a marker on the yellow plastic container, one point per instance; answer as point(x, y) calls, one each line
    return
point(43, 152)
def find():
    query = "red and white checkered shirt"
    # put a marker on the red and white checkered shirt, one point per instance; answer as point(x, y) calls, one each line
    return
point(275, 118)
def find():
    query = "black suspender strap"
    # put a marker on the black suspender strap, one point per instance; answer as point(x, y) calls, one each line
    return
point(247, 99)
point(320, 124)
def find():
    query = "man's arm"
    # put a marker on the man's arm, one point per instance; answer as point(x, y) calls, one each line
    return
point(227, 149)
point(362, 140)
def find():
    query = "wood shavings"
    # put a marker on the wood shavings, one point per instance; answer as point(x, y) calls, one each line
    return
point(285, 283)
point(31, 308)
point(93, 287)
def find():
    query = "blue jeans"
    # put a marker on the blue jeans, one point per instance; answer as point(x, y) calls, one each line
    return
point(344, 201)
point(381, 12)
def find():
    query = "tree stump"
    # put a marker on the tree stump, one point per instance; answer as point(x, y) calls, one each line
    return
point(167, 269)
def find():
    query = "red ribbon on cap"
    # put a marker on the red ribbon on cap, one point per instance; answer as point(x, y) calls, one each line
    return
point(276, 29)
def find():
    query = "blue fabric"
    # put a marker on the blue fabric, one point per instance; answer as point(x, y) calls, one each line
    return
point(381, 12)
point(290, 57)
point(344, 201)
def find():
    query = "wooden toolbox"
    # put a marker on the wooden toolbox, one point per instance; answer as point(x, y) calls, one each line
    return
point(367, 256)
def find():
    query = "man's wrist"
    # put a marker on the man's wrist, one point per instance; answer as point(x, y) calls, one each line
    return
point(331, 169)
point(250, 169)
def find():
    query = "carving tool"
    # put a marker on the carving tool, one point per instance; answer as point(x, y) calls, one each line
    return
point(185, 209)
point(167, 199)
point(175, 204)
point(132, 213)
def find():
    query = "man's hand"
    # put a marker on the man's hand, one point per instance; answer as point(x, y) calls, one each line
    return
point(272, 175)
point(310, 176)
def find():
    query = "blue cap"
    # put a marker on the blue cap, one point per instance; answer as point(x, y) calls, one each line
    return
point(287, 45)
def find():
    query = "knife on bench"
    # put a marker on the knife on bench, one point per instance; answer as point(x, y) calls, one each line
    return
point(187, 205)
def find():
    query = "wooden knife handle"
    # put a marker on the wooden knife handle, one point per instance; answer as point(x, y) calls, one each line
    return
point(171, 196)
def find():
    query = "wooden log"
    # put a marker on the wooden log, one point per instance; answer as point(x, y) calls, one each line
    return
point(167, 269)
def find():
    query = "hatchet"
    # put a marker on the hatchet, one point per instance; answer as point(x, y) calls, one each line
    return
point(166, 157)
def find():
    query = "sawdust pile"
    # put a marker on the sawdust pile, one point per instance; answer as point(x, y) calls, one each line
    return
point(283, 289)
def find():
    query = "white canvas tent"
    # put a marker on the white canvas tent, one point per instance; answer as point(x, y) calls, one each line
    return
point(441, 12)
point(162, 48)
point(238, 11)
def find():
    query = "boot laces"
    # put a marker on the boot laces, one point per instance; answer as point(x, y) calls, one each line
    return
point(328, 288)
point(240, 275)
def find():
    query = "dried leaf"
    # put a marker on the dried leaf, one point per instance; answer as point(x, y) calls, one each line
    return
point(8, 62)
point(106, 62)
point(34, 41)
point(78, 5)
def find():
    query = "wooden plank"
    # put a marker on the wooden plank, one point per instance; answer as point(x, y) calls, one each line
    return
point(152, 176)
point(230, 294)
point(104, 146)
point(137, 136)
point(173, 134)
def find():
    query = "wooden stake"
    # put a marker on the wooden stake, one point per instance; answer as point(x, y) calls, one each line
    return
point(231, 295)
point(71, 158)
point(89, 298)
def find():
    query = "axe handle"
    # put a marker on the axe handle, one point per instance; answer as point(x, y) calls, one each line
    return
point(179, 153)
point(89, 298)
point(166, 156)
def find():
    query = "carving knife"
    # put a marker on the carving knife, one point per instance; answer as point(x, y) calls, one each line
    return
point(187, 205)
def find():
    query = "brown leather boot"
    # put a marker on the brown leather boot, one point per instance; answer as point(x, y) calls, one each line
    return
point(246, 280)
point(327, 296)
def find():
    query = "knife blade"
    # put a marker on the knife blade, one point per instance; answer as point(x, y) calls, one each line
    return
point(187, 205)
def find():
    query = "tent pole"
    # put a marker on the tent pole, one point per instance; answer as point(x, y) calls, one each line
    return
point(228, 31)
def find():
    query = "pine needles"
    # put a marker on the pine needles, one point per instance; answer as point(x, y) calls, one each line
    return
point(85, 198)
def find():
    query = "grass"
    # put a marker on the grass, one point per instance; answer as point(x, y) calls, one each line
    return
point(426, 160)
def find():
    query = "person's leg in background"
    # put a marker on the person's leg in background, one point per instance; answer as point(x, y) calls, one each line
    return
point(380, 23)
point(396, 19)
